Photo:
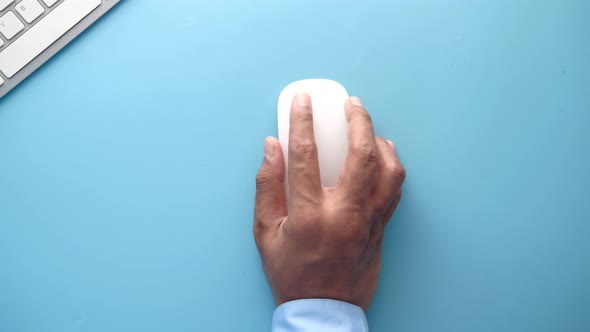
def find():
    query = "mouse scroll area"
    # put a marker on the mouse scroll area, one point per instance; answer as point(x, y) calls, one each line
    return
point(329, 120)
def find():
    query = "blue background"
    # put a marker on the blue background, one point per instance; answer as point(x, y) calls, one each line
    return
point(127, 163)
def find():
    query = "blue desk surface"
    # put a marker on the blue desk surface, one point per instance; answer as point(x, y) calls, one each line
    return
point(127, 163)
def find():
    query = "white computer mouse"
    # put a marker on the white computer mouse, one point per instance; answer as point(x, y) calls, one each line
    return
point(329, 121)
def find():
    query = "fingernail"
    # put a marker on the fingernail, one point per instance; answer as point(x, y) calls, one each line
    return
point(355, 101)
point(303, 99)
point(269, 150)
point(390, 144)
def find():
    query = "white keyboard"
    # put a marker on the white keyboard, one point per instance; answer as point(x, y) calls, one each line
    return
point(31, 31)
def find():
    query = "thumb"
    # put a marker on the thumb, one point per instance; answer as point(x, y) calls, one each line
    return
point(270, 207)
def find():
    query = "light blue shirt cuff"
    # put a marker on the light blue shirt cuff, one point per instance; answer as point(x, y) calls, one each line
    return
point(319, 315)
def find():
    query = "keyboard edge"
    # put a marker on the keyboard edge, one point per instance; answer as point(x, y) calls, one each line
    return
point(56, 47)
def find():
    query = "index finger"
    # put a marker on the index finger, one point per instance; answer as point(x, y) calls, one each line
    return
point(361, 164)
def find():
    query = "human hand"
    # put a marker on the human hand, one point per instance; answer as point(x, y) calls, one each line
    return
point(327, 242)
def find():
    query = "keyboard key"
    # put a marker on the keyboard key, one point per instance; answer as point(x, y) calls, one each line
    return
point(1, 81)
point(5, 3)
point(29, 10)
point(48, 30)
point(49, 3)
point(1, 42)
point(10, 25)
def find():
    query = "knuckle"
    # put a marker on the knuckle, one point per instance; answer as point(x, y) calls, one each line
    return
point(364, 115)
point(366, 152)
point(361, 113)
point(304, 115)
point(303, 149)
point(263, 177)
point(398, 171)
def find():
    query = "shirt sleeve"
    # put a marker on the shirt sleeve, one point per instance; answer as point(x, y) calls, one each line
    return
point(319, 315)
